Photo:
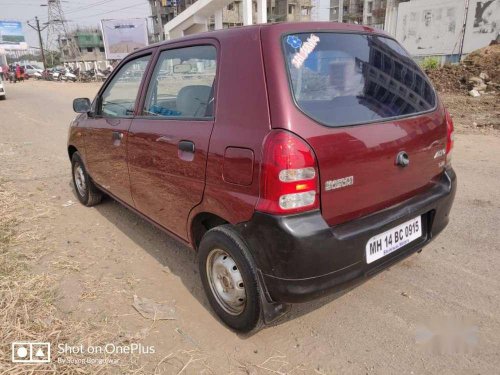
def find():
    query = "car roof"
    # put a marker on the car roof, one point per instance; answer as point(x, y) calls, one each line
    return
point(282, 27)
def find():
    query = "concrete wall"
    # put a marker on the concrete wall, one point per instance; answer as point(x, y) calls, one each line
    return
point(429, 27)
point(483, 24)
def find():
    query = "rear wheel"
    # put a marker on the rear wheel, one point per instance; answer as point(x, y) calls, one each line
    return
point(86, 191)
point(229, 278)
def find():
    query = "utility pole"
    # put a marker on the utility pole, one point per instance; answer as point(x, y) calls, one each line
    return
point(39, 31)
point(464, 27)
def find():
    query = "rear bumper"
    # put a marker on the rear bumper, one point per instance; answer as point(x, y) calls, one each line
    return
point(300, 257)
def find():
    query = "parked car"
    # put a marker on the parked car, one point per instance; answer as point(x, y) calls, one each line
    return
point(30, 70)
point(3, 94)
point(296, 158)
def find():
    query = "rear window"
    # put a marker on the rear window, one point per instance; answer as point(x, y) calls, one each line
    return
point(343, 79)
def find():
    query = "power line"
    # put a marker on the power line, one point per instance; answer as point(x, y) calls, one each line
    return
point(111, 11)
point(22, 5)
point(97, 4)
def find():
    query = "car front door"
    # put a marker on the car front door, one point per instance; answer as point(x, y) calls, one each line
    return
point(168, 143)
point(107, 130)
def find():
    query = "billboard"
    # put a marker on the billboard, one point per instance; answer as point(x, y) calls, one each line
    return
point(429, 27)
point(12, 36)
point(122, 37)
point(483, 24)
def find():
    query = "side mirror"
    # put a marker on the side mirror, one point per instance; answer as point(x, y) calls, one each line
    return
point(82, 105)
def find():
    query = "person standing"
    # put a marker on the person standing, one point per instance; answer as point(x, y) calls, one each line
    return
point(17, 73)
point(21, 73)
point(5, 72)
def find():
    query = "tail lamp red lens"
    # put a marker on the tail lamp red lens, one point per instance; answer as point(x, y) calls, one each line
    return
point(449, 137)
point(289, 175)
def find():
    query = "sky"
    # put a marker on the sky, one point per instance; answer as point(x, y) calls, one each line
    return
point(78, 12)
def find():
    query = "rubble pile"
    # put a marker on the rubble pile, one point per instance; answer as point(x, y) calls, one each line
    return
point(479, 73)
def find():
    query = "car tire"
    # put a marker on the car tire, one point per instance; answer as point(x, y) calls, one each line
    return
point(229, 278)
point(86, 191)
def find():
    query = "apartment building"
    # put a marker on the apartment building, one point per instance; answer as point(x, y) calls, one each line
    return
point(164, 11)
point(367, 12)
point(82, 45)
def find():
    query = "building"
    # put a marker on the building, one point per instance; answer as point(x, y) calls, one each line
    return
point(347, 11)
point(163, 11)
point(289, 10)
point(367, 12)
point(84, 47)
point(353, 11)
point(374, 13)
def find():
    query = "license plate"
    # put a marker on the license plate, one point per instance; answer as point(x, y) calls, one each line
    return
point(385, 243)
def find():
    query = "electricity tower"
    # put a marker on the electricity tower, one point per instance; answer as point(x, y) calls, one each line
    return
point(57, 33)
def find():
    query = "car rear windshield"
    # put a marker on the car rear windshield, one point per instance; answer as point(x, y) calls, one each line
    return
point(343, 79)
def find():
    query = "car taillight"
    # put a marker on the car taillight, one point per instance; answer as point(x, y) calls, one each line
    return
point(449, 137)
point(289, 175)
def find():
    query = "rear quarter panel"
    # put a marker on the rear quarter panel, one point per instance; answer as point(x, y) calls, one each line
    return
point(242, 120)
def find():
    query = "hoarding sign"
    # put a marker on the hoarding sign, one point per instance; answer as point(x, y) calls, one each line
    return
point(483, 24)
point(122, 37)
point(11, 36)
point(429, 27)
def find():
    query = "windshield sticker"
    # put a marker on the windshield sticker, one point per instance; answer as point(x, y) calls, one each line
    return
point(294, 41)
point(307, 47)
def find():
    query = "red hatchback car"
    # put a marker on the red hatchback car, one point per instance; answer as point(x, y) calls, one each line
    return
point(295, 158)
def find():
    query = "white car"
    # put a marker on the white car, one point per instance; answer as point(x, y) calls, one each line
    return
point(32, 69)
point(2, 89)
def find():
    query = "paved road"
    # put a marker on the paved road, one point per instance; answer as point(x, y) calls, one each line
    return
point(436, 312)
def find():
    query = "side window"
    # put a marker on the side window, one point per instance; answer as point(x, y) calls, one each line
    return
point(182, 84)
point(118, 99)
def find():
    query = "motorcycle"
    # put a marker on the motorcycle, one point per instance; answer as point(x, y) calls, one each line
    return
point(47, 75)
point(68, 75)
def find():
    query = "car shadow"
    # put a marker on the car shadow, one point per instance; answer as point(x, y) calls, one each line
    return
point(181, 260)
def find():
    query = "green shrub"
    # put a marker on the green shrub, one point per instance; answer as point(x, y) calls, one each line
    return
point(430, 63)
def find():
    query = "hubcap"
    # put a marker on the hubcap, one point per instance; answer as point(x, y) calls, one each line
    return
point(81, 186)
point(226, 282)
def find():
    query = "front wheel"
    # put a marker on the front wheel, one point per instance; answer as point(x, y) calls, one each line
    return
point(230, 279)
point(86, 191)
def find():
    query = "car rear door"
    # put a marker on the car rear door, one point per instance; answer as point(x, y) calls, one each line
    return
point(168, 142)
point(107, 131)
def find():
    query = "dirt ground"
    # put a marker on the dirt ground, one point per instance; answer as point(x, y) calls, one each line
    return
point(436, 312)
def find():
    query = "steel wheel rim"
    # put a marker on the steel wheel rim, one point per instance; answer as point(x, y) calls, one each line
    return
point(226, 282)
point(80, 183)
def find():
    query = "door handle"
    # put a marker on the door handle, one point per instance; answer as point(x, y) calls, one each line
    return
point(186, 146)
point(117, 136)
